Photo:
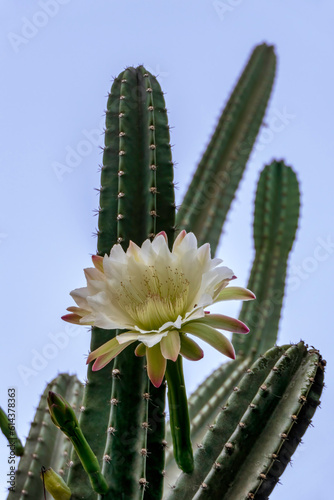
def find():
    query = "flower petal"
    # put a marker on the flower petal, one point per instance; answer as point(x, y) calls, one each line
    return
point(179, 239)
point(156, 365)
point(98, 262)
point(190, 349)
point(235, 293)
point(72, 318)
point(211, 336)
point(140, 350)
point(170, 345)
point(103, 360)
point(112, 347)
point(222, 322)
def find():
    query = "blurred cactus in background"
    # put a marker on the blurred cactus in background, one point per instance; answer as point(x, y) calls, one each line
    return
point(233, 437)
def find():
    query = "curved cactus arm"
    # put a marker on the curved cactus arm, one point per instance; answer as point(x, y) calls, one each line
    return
point(218, 174)
point(262, 434)
point(42, 444)
point(136, 202)
point(9, 431)
point(219, 433)
point(275, 224)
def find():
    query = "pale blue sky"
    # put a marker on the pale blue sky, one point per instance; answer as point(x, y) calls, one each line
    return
point(58, 58)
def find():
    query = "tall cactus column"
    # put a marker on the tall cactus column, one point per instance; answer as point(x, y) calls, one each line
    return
point(136, 202)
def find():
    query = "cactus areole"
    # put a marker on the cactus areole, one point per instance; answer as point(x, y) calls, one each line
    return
point(159, 297)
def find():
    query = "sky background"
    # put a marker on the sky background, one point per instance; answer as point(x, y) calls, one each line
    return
point(58, 58)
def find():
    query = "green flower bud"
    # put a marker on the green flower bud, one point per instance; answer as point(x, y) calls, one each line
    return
point(55, 485)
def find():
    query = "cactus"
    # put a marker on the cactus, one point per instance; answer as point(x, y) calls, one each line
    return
point(217, 176)
point(246, 420)
point(45, 442)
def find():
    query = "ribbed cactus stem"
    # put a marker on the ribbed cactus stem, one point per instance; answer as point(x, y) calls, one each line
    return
point(42, 443)
point(264, 429)
point(179, 416)
point(136, 202)
point(156, 444)
point(275, 224)
point(216, 179)
point(220, 431)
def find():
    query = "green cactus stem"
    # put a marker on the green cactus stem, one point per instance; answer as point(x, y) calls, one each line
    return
point(136, 202)
point(250, 452)
point(63, 416)
point(218, 174)
point(156, 444)
point(179, 416)
point(275, 223)
point(8, 429)
point(230, 414)
point(43, 443)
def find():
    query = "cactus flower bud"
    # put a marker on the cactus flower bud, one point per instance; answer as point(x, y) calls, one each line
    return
point(62, 415)
point(55, 485)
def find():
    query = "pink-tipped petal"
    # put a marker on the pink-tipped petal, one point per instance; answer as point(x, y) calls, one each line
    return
point(140, 350)
point(98, 262)
point(78, 310)
point(103, 360)
point(156, 365)
point(163, 233)
point(190, 349)
point(180, 237)
point(112, 346)
point(170, 345)
point(211, 336)
point(235, 293)
point(72, 318)
point(223, 323)
point(133, 250)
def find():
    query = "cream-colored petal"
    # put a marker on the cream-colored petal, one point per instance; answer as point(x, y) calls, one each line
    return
point(156, 365)
point(112, 347)
point(170, 345)
point(98, 262)
point(103, 360)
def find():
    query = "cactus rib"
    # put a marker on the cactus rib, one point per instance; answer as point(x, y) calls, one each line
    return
point(243, 465)
point(212, 189)
point(275, 224)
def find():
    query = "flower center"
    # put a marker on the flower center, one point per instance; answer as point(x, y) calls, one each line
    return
point(154, 296)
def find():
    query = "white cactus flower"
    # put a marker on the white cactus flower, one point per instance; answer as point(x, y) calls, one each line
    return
point(158, 296)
